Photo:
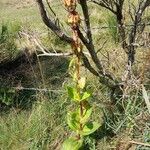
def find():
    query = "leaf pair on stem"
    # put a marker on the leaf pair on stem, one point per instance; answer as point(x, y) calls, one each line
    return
point(79, 120)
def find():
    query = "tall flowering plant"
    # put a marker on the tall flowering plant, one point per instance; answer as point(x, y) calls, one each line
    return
point(79, 119)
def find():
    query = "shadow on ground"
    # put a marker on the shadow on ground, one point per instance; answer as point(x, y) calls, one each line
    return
point(31, 74)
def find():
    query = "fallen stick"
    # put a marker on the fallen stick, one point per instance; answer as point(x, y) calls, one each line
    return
point(139, 143)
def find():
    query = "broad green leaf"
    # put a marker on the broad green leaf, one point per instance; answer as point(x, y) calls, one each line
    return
point(86, 115)
point(73, 93)
point(89, 128)
point(70, 92)
point(85, 96)
point(72, 69)
point(73, 121)
point(72, 63)
point(75, 76)
point(72, 144)
point(82, 82)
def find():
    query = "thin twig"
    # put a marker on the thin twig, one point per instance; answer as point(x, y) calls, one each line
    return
point(36, 89)
point(56, 54)
point(139, 143)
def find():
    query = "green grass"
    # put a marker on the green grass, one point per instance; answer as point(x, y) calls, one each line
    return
point(26, 12)
point(44, 126)
point(40, 128)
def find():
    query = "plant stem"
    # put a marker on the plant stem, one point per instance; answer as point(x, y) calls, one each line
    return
point(78, 78)
point(74, 20)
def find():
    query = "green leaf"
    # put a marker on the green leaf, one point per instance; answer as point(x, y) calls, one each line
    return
point(74, 76)
point(89, 128)
point(70, 92)
point(72, 62)
point(85, 96)
point(73, 93)
point(86, 115)
point(73, 121)
point(82, 82)
point(72, 144)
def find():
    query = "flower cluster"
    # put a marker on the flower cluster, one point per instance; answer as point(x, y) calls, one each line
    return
point(70, 5)
point(76, 45)
point(74, 21)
